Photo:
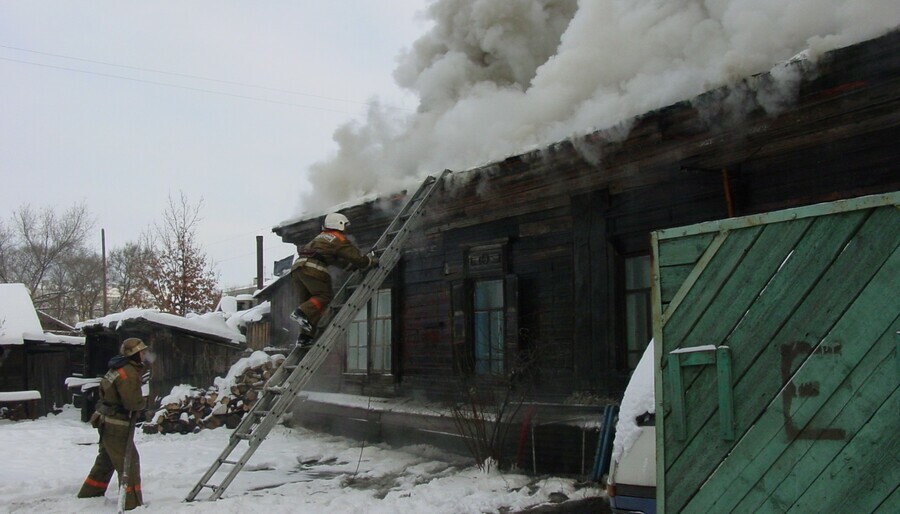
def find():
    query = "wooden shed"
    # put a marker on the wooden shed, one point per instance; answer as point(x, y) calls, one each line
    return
point(31, 359)
point(777, 352)
point(547, 255)
point(182, 352)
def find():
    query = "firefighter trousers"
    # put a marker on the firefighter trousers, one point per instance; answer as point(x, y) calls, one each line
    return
point(111, 457)
point(315, 294)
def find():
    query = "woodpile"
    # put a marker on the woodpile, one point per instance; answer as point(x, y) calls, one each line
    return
point(212, 408)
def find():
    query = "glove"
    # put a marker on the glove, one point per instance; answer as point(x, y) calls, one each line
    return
point(373, 261)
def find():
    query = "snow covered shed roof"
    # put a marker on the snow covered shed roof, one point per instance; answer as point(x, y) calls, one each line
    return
point(17, 314)
point(210, 324)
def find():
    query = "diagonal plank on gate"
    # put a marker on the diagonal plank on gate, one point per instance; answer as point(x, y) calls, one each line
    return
point(798, 464)
point(735, 296)
point(832, 294)
point(783, 293)
point(865, 472)
point(868, 320)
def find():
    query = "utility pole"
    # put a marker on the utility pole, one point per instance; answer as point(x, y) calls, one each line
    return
point(103, 251)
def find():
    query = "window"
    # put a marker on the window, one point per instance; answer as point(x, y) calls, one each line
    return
point(488, 323)
point(638, 328)
point(369, 336)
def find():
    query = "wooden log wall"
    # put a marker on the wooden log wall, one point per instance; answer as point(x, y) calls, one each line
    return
point(568, 214)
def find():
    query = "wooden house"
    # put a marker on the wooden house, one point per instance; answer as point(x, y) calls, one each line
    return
point(544, 259)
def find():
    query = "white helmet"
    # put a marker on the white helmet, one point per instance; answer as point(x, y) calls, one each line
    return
point(336, 221)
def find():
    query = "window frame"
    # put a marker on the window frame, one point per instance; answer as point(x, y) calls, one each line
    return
point(368, 318)
point(632, 348)
point(496, 324)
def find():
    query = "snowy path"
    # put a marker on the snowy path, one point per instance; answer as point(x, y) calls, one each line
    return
point(45, 461)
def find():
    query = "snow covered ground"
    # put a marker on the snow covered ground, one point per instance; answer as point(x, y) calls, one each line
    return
point(295, 470)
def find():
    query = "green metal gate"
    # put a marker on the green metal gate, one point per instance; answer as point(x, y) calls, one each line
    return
point(777, 361)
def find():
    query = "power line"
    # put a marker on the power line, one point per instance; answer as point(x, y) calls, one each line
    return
point(176, 86)
point(196, 77)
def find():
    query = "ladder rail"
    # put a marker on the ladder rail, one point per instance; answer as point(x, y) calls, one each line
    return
point(302, 363)
point(401, 226)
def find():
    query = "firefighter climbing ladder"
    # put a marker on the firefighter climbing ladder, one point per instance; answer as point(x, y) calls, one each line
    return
point(302, 363)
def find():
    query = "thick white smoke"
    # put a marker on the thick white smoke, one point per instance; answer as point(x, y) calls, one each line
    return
point(499, 77)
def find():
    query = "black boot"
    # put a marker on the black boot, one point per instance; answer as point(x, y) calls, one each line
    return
point(304, 340)
point(306, 327)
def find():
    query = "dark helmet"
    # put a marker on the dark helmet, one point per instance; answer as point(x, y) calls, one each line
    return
point(131, 346)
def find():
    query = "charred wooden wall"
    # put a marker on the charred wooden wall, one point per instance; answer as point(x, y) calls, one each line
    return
point(566, 216)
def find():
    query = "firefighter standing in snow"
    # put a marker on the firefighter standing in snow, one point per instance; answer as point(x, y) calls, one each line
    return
point(120, 395)
point(310, 271)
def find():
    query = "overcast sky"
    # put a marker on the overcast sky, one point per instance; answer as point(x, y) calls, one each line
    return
point(121, 103)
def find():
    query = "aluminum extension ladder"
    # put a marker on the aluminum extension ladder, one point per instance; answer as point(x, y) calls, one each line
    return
point(302, 363)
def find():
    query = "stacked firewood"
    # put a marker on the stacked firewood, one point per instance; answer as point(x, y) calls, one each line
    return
point(212, 408)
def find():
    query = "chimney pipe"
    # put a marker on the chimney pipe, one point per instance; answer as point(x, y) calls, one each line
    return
point(259, 262)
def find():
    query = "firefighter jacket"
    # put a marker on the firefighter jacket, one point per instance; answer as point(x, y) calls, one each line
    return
point(120, 389)
point(328, 248)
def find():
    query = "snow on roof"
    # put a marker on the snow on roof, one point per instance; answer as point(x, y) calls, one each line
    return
point(47, 337)
point(43, 316)
point(212, 323)
point(17, 314)
point(241, 318)
point(334, 208)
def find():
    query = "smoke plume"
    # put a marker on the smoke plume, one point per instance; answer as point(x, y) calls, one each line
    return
point(497, 77)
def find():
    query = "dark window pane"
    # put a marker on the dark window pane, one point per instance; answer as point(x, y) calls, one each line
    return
point(637, 272)
point(489, 294)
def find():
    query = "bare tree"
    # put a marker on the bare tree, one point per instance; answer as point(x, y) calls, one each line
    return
point(128, 269)
point(180, 278)
point(78, 283)
point(7, 243)
point(38, 240)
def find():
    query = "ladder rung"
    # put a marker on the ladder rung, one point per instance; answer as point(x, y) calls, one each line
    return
point(244, 436)
point(230, 462)
point(262, 413)
point(213, 487)
point(275, 390)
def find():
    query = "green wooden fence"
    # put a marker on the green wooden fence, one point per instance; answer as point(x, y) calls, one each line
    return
point(777, 361)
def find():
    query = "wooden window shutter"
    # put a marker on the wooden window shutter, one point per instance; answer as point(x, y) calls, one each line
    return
point(511, 316)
